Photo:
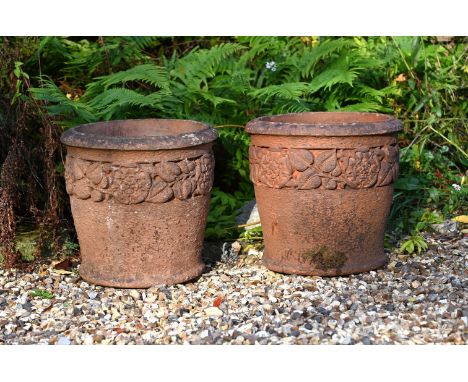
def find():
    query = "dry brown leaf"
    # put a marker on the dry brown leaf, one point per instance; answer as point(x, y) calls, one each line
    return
point(400, 78)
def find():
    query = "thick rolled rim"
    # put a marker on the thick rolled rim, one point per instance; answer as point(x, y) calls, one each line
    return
point(325, 124)
point(140, 134)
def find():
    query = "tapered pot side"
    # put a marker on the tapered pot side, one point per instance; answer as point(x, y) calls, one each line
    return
point(139, 193)
point(324, 184)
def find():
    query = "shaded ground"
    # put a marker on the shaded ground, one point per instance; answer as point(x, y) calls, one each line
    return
point(414, 300)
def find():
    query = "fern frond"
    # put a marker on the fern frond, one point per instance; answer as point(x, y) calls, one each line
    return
point(312, 56)
point(292, 106)
point(332, 102)
point(84, 55)
point(58, 104)
point(146, 73)
point(121, 95)
point(366, 106)
point(367, 92)
point(288, 91)
point(141, 42)
point(111, 101)
point(216, 100)
point(337, 73)
point(331, 77)
point(258, 45)
point(202, 64)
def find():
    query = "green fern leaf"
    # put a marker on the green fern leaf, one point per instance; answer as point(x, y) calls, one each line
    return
point(199, 65)
point(146, 73)
point(365, 107)
point(216, 100)
point(58, 104)
point(288, 91)
point(312, 56)
point(110, 102)
point(141, 42)
point(337, 73)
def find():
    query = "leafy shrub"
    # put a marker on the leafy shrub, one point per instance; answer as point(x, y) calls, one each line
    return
point(229, 81)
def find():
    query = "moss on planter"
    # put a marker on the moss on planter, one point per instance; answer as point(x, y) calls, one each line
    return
point(325, 258)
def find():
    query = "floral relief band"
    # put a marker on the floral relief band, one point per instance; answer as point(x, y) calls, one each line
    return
point(154, 182)
point(331, 169)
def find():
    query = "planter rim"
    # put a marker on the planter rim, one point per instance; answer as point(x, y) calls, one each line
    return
point(331, 124)
point(140, 134)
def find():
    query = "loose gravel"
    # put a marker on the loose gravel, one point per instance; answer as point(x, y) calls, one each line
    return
point(414, 300)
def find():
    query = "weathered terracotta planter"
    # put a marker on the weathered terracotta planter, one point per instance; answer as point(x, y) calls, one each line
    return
point(323, 184)
point(139, 192)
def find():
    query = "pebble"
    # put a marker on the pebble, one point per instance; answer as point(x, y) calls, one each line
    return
point(92, 294)
point(414, 300)
point(263, 334)
point(213, 311)
point(346, 341)
point(432, 297)
point(448, 228)
point(134, 294)
point(366, 340)
point(62, 340)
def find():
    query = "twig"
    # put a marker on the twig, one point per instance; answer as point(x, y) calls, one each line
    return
point(248, 225)
point(417, 136)
point(449, 141)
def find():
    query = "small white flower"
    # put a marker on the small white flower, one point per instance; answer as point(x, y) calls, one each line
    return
point(271, 65)
point(457, 187)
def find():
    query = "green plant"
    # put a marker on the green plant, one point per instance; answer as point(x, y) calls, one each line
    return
point(422, 222)
point(413, 243)
point(252, 235)
point(41, 293)
point(21, 77)
point(70, 248)
point(223, 210)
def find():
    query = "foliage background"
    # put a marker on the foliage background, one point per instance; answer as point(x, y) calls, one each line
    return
point(48, 84)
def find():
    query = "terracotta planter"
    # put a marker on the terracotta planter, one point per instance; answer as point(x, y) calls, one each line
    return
point(139, 192)
point(323, 184)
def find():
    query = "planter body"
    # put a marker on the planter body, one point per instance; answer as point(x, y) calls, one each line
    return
point(139, 193)
point(324, 184)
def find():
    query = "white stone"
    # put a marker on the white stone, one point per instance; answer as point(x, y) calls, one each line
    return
point(88, 339)
point(262, 334)
point(204, 334)
point(63, 340)
point(213, 311)
point(92, 295)
point(134, 294)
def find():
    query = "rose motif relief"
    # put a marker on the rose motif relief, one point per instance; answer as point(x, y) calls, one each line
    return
point(271, 166)
point(362, 169)
point(306, 169)
point(156, 182)
point(130, 185)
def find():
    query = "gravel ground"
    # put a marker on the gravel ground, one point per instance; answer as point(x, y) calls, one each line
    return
point(414, 300)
